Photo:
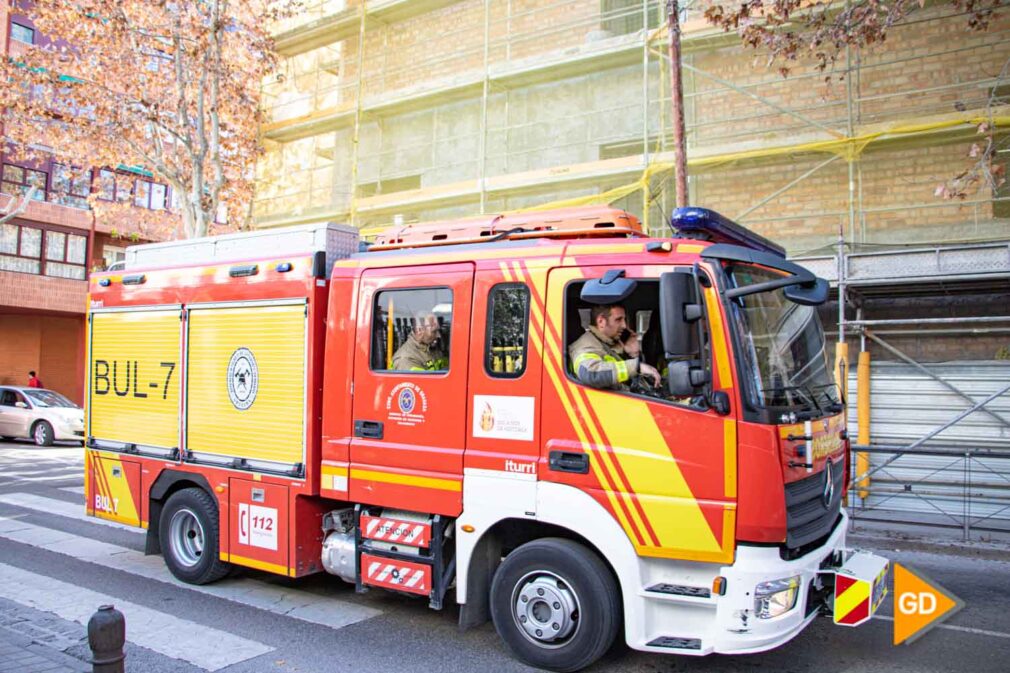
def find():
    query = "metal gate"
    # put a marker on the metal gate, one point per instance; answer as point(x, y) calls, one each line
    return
point(960, 476)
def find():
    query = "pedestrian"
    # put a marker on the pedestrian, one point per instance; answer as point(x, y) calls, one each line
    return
point(33, 381)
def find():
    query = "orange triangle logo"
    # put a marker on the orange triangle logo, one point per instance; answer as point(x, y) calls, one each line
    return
point(919, 604)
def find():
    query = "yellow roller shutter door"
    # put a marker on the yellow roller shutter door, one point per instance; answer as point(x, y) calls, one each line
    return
point(246, 382)
point(133, 378)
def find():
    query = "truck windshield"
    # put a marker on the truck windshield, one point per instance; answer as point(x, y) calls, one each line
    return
point(784, 360)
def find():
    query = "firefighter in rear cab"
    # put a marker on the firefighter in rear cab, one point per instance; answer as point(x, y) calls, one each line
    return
point(598, 356)
point(420, 353)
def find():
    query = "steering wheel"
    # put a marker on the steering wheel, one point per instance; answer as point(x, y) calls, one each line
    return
point(642, 385)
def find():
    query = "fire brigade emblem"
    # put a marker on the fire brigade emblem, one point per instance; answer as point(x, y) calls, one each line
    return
point(406, 400)
point(243, 379)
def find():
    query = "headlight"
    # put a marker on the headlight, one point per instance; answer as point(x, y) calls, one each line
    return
point(775, 598)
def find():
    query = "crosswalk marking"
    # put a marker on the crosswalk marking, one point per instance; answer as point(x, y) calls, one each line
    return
point(200, 645)
point(303, 605)
point(69, 510)
point(73, 489)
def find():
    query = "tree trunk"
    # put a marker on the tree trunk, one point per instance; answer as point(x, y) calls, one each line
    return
point(677, 102)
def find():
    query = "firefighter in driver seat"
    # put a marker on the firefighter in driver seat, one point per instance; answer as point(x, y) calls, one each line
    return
point(420, 353)
point(598, 356)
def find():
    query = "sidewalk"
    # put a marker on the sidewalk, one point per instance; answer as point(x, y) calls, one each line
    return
point(18, 654)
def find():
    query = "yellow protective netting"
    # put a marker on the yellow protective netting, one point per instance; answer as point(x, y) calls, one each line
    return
point(846, 148)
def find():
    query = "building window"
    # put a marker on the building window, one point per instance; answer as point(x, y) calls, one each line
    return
point(112, 254)
point(22, 33)
point(65, 255)
point(18, 180)
point(70, 187)
point(20, 248)
point(507, 329)
point(411, 330)
point(124, 188)
point(147, 194)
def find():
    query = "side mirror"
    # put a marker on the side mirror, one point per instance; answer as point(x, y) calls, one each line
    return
point(813, 295)
point(20, 405)
point(613, 288)
point(684, 377)
point(678, 311)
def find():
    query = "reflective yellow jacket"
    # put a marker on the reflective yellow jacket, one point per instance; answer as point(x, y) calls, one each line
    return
point(599, 362)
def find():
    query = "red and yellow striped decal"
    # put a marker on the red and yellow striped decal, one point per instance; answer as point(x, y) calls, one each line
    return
point(629, 456)
point(852, 601)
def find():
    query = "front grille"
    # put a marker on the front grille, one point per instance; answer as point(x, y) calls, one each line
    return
point(807, 517)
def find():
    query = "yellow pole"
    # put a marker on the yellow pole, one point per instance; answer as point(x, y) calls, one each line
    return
point(389, 336)
point(863, 413)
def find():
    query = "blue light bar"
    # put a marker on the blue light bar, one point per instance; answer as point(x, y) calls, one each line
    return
point(708, 225)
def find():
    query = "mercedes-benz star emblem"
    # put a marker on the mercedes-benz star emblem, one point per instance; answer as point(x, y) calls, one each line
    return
point(829, 485)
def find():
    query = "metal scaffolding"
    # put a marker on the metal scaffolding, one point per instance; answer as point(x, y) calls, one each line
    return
point(551, 101)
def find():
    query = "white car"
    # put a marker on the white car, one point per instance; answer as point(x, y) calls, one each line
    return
point(39, 414)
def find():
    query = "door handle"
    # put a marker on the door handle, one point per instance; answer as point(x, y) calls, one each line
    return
point(368, 429)
point(564, 461)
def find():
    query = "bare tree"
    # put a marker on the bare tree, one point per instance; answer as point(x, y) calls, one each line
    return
point(171, 88)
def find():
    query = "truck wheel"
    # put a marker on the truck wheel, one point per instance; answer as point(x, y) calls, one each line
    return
point(189, 534)
point(555, 604)
point(43, 434)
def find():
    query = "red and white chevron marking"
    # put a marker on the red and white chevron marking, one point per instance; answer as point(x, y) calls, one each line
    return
point(413, 578)
point(395, 530)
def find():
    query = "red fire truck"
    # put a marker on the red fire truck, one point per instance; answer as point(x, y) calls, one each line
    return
point(407, 416)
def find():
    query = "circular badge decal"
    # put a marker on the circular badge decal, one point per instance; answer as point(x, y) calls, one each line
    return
point(406, 401)
point(243, 379)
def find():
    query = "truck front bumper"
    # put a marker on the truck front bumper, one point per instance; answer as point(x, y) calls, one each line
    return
point(729, 623)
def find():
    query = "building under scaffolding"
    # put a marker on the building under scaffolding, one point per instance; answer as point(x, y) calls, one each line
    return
point(398, 111)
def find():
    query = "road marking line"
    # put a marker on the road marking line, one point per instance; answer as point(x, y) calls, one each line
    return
point(18, 480)
point(69, 510)
point(952, 627)
point(73, 489)
point(199, 644)
point(306, 606)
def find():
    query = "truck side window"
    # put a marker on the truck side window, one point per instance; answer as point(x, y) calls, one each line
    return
point(508, 319)
point(411, 330)
point(641, 314)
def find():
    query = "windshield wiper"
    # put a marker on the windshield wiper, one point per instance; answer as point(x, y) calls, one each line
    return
point(803, 393)
point(834, 405)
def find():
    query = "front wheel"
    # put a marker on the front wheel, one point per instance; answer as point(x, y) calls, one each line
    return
point(189, 535)
point(43, 434)
point(555, 604)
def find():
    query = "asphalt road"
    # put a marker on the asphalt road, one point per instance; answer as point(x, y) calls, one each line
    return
point(56, 566)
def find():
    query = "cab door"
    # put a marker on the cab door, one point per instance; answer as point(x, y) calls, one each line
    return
point(409, 397)
point(664, 468)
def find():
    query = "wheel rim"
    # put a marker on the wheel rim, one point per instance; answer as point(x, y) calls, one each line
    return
point(545, 609)
point(40, 433)
point(186, 535)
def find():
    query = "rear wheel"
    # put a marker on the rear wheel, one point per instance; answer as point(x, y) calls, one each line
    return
point(189, 535)
point(43, 434)
point(555, 604)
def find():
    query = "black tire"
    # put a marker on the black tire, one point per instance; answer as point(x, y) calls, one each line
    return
point(569, 575)
point(42, 434)
point(189, 535)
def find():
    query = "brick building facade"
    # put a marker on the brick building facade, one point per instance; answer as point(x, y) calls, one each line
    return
point(389, 111)
point(47, 251)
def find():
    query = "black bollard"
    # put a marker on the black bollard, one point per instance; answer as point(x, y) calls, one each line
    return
point(106, 637)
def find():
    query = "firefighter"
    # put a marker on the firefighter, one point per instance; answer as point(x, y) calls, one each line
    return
point(598, 356)
point(419, 353)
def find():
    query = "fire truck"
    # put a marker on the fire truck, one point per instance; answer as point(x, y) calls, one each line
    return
point(406, 415)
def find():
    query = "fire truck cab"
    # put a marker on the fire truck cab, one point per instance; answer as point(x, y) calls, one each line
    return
point(412, 417)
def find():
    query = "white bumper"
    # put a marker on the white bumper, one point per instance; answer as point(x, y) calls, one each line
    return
point(727, 624)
